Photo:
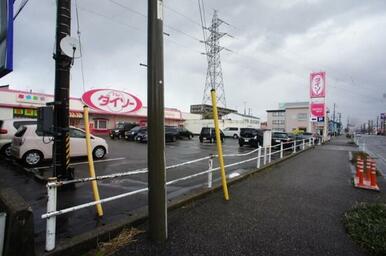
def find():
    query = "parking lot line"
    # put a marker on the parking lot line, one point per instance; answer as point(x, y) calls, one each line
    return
point(85, 162)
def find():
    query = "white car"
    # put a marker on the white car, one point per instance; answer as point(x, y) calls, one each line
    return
point(32, 149)
point(8, 128)
point(233, 132)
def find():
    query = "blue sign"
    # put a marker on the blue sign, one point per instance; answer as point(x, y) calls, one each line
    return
point(321, 119)
point(382, 115)
point(6, 37)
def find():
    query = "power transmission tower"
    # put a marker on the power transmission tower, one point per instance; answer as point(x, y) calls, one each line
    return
point(214, 78)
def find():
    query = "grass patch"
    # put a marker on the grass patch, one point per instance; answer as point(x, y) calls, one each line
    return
point(126, 236)
point(366, 225)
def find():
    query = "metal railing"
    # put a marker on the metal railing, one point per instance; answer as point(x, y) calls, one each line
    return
point(53, 184)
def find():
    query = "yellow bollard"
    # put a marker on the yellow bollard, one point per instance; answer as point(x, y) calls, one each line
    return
point(91, 162)
point(219, 147)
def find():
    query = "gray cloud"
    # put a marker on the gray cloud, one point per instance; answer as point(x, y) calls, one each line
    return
point(276, 45)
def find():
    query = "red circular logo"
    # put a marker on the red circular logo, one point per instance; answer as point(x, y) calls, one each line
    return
point(112, 101)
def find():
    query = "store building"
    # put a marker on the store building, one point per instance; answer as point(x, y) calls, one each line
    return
point(23, 104)
point(289, 117)
point(194, 123)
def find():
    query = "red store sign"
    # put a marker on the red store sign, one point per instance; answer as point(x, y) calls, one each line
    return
point(111, 101)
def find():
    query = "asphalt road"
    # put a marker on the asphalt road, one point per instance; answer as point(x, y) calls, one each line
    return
point(123, 156)
point(376, 147)
point(292, 209)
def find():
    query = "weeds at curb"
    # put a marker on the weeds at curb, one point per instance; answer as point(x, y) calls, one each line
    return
point(366, 225)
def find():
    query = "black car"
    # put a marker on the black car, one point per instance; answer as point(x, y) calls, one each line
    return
point(184, 133)
point(141, 135)
point(130, 135)
point(171, 135)
point(209, 134)
point(252, 137)
point(278, 137)
point(120, 129)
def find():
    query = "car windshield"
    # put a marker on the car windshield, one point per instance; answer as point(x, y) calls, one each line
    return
point(20, 132)
point(280, 135)
point(249, 131)
point(136, 129)
point(120, 126)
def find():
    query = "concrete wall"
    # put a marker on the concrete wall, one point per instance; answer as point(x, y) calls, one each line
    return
point(296, 118)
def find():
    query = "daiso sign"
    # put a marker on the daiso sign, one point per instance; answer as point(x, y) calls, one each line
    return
point(111, 101)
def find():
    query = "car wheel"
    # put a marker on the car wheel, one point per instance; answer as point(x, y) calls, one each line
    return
point(32, 158)
point(241, 143)
point(174, 138)
point(6, 150)
point(235, 136)
point(189, 137)
point(99, 152)
point(210, 140)
point(120, 136)
point(201, 140)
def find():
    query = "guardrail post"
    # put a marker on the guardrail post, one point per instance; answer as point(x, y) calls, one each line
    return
point(258, 157)
point(265, 155)
point(294, 146)
point(269, 154)
point(51, 207)
point(281, 150)
point(210, 163)
point(304, 144)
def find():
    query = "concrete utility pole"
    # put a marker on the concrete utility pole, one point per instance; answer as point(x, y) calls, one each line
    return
point(156, 130)
point(61, 147)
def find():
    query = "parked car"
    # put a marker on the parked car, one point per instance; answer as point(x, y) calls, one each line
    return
point(278, 137)
point(251, 136)
point(233, 132)
point(141, 135)
point(120, 129)
point(208, 133)
point(171, 135)
point(8, 128)
point(184, 133)
point(130, 135)
point(32, 149)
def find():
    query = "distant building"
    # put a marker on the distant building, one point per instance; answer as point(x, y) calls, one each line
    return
point(229, 120)
point(289, 117)
point(263, 125)
point(205, 109)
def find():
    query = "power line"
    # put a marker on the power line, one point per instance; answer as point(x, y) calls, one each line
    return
point(80, 44)
point(145, 16)
point(183, 15)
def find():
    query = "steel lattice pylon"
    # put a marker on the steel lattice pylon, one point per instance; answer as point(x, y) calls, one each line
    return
point(214, 78)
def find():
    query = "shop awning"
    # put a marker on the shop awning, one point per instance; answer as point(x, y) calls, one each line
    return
point(76, 115)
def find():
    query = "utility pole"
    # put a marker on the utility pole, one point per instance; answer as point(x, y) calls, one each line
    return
point(377, 125)
point(61, 147)
point(156, 127)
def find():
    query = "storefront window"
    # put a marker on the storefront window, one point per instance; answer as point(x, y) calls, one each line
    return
point(25, 112)
point(100, 123)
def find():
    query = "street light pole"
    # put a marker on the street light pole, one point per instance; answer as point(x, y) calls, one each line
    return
point(61, 147)
point(156, 130)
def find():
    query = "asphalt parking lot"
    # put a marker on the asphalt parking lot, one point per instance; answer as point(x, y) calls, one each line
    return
point(123, 156)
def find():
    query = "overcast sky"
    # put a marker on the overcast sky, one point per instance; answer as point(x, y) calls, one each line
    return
point(276, 44)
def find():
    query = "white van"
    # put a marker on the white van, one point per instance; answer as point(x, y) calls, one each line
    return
point(233, 132)
point(32, 148)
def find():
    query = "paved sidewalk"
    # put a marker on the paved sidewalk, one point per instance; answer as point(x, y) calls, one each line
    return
point(294, 208)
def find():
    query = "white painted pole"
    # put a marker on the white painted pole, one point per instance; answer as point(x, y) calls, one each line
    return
point(258, 157)
point(51, 221)
point(269, 154)
point(304, 144)
point(210, 178)
point(281, 150)
point(294, 146)
point(3, 217)
point(265, 155)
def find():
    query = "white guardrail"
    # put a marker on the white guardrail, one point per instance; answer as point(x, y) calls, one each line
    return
point(264, 153)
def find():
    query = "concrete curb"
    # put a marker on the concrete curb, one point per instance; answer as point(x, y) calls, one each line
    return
point(84, 242)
